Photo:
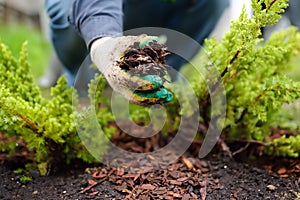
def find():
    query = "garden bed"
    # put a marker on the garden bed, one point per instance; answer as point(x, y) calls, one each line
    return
point(217, 176)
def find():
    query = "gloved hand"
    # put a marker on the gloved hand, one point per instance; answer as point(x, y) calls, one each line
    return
point(147, 90)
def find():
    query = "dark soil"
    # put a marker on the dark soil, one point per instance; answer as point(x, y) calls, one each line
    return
point(216, 177)
point(234, 174)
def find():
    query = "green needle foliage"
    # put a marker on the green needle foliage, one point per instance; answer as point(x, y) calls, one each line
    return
point(253, 73)
point(46, 126)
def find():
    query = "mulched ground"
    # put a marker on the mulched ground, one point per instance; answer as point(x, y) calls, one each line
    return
point(217, 176)
point(246, 175)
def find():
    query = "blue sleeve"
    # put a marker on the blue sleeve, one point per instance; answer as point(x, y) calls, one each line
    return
point(97, 18)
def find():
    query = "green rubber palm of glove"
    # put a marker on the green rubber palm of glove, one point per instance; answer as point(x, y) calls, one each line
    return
point(145, 90)
point(163, 94)
point(157, 91)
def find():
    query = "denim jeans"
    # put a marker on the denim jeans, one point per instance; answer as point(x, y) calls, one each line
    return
point(293, 12)
point(195, 18)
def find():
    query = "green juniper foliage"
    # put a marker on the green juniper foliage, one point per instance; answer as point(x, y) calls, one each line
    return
point(253, 73)
point(46, 126)
point(93, 121)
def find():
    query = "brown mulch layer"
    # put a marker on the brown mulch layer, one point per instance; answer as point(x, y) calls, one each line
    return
point(188, 178)
point(214, 177)
point(149, 59)
point(217, 176)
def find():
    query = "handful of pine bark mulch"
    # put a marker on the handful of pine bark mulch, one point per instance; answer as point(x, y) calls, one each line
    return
point(148, 60)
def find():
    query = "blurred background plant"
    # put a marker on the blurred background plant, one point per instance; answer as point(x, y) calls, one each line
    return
point(39, 48)
point(22, 21)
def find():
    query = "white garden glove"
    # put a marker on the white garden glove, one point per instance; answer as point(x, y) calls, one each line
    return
point(106, 53)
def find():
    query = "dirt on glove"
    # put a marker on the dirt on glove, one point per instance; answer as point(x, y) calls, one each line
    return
point(148, 60)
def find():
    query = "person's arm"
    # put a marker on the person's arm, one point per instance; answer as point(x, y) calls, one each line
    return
point(97, 18)
point(99, 22)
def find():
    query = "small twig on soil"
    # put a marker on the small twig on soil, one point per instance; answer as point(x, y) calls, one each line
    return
point(250, 141)
point(241, 149)
point(91, 185)
point(225, 147)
